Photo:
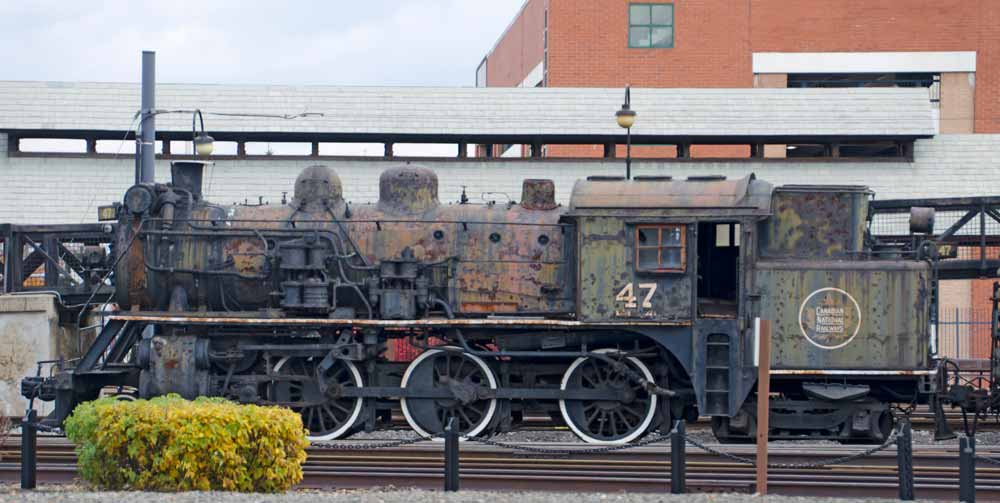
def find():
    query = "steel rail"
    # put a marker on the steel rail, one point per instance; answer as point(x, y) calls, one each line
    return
point(643, 469)
point(921, 420)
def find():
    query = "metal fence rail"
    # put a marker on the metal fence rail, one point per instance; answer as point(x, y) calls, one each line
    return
point(964, 333)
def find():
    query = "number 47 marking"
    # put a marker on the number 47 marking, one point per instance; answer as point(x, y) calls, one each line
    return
point(627, 295)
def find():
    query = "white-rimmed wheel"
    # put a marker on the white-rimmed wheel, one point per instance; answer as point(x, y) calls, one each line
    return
point(463, 375)
point(608, 421)
point(326, 413)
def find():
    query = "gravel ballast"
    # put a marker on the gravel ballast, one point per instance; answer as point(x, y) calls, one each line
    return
point(77, 495)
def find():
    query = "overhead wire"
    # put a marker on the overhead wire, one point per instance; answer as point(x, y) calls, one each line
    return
point(211, 175)
point(133, 127)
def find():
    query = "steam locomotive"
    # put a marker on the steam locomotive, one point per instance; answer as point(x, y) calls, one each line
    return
point(636, 305)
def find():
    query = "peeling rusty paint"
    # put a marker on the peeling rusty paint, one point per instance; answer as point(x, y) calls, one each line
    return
point(817, 372)
point(816, 222)
point(538, 194)
point(744, 195)
point(892, 300)
point(407, 190)
point(430, 322)
point(494, 258)
point(607, 270)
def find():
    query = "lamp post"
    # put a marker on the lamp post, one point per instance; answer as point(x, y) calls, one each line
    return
point(626, 118)
point(203, 144)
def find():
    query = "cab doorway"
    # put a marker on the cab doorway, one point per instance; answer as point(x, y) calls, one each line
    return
point(718, 269)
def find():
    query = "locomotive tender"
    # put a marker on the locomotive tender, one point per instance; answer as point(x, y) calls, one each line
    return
point(635, 306)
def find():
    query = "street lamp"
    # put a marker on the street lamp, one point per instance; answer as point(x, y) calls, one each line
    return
point(203, 144)
point(626, 118)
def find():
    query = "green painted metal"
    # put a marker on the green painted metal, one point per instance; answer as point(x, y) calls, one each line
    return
point(857, 315)
point(610, 286)
point(816, 221)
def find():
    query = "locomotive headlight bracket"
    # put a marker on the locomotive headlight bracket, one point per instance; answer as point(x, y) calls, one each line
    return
point(203, 144)
point(139, 199)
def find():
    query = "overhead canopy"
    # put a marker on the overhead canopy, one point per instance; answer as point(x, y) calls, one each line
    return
point(427, 113)
point(746, 195)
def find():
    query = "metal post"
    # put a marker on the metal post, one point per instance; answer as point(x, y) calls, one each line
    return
point(904, 460)
point(29, 449)
point(958, 336)
point(628, 153)
point(678, 477)
point(147, 168)
point(967, 470)
point(451, 456)
point(763, 400)
point(626, 118)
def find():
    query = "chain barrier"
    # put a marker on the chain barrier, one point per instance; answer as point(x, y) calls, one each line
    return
point(494, 443)
point(44, 427)
point(989, 460)
point(717, 452)
point(578, 452)
point(890, 441)
point(372, 445)
point(663, 437)
point(843, 459)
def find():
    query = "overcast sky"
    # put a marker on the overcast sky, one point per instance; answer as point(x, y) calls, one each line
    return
point(369, 42)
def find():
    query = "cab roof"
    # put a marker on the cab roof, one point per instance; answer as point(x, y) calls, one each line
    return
point(743, 196)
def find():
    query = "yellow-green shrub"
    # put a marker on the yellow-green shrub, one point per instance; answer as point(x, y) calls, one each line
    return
point(172, 444)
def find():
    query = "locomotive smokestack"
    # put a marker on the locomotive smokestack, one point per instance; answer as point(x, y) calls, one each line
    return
point(147, 147)
point(188, 175)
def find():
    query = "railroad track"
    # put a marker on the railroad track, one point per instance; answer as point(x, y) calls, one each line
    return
point(642, 469)
point(921, 420)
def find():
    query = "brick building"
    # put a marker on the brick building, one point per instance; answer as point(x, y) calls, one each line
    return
point(951, 47)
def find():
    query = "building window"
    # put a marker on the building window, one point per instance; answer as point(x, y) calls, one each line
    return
point(660, 248)
point(727, 235)
point(651, 25)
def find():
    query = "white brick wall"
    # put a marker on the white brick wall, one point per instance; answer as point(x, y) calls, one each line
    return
point(68, 190)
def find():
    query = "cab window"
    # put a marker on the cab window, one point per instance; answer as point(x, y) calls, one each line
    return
point(660, 248)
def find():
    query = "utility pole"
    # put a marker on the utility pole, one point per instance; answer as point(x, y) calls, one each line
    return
point(147, 146)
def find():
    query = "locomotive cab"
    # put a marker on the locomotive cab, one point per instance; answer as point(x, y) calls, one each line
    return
point(658, 249)
point(677, 252)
